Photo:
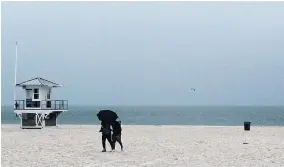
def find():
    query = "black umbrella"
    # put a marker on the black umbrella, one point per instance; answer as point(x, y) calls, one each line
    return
point(107, 116)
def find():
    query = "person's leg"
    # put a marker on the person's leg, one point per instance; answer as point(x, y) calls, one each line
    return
point(104, 137)
point(110, 141)
point(118, 138)
point(113, 140)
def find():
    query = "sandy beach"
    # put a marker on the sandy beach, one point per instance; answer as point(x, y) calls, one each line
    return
point(80, 145)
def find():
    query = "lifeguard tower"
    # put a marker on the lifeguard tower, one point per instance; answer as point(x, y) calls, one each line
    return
point(38, 110)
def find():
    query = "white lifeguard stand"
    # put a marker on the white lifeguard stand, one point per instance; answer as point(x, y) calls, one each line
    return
point(38, 110)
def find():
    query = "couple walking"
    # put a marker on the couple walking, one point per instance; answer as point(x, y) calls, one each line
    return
point(112, 138)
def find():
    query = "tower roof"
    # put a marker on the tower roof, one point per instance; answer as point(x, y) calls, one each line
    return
point(38, 81)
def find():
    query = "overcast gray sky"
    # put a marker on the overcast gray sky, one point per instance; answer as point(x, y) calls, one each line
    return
point(148, 53)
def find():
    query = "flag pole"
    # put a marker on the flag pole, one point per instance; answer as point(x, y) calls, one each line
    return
point(16, 61)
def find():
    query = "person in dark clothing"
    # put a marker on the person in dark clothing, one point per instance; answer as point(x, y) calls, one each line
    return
point(106, 134)
point(116, 136)
point(16, 105)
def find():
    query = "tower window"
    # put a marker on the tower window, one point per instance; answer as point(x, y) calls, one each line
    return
point(36, 90)
point(48, 94)
point(36, 94)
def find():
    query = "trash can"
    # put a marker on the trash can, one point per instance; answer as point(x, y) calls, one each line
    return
point(247, 126)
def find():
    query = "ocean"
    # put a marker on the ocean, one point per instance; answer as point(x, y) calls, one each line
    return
point(168, 115)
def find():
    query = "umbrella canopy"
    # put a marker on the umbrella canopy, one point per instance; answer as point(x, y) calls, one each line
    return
point(107, 116)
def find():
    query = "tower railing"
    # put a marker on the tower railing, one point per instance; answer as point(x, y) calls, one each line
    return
point(41, 105)
point(19, 105)
point(54, 104)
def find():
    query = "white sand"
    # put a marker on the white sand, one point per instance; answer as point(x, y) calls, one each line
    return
point(71, 145)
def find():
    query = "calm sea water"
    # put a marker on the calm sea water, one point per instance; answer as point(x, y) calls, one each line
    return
point(212, 116)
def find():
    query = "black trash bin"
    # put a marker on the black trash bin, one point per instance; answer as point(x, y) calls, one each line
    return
point(247, 126)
